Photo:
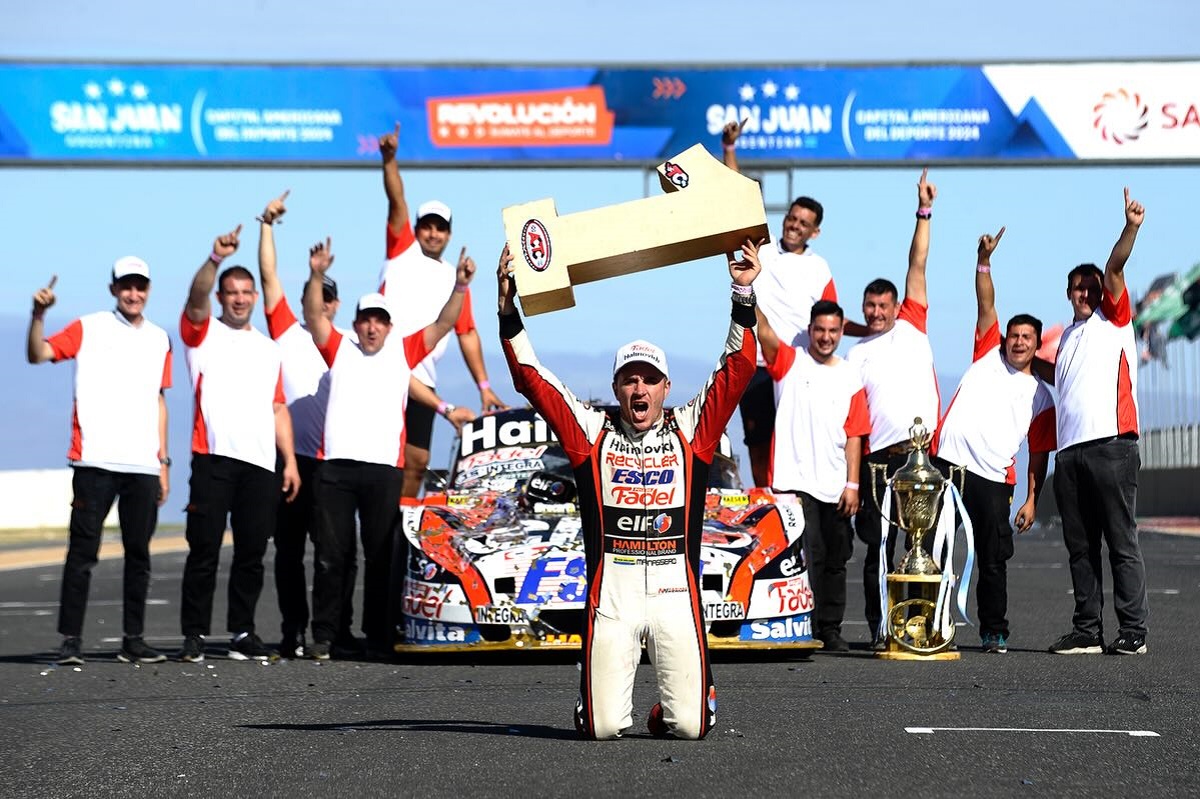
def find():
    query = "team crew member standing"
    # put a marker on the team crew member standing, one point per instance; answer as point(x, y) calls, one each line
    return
point(118, 446)
point(1096, 470)
point(363, 448)
point(822, 407)
point(417, 281)
point(642, 474)
point(896, 365)
point(240, 420)
point(793, 278)
point(999, 402)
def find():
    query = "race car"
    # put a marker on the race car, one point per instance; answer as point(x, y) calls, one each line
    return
point(495, 554)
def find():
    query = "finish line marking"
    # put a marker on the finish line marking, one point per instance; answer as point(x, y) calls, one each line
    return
point(932, 730)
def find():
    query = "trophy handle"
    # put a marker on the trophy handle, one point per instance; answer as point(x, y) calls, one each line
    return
point(961, 472)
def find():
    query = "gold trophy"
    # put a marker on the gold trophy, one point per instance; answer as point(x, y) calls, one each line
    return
point(917, 491)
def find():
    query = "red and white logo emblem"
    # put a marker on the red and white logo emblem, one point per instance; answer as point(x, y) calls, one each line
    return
point(1121, 116)
point(535, 245)
point(675, 173)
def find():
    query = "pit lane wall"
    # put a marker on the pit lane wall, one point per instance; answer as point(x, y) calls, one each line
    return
point(32, 499)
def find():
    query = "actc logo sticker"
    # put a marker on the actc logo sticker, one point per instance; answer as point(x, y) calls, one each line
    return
point(675, 173)
point(535, 245)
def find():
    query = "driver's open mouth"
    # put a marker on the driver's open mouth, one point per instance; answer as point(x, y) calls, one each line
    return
point(639, 406)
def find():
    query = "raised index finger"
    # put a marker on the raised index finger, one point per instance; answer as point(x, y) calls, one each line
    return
point(1001, 233)
point(924, 174)
point(53, 280)
point(285, 194)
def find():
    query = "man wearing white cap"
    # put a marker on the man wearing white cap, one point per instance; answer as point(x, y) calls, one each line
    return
point(417, 281)
point(363, 448)
point(642, 474)
point(118, 446)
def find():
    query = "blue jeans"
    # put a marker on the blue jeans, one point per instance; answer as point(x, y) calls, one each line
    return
point(1095, 484)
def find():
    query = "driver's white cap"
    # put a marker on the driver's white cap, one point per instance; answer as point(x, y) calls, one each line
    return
point(642, 351)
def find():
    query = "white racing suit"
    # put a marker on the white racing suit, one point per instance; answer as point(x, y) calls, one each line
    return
point(641, 504)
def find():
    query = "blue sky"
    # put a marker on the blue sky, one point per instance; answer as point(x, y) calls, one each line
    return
point(75, 222)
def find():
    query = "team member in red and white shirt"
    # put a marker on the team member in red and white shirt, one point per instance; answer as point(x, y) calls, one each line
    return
point(821, 407)
point(241, 427)
point(417, 281)
point(1096, 469)
point(793, 278)
point(999, 402)
point(896, 365)
point(363, 447)
point(118, 446)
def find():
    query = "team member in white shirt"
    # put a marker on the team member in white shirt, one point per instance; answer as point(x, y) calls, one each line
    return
point(821, 409)
point(118, 446)
point(1096, 469)
point(363, 447)
point(241, 427)
point(999, 402)
point(417, 281)
point(896, 365)
point(793, 278)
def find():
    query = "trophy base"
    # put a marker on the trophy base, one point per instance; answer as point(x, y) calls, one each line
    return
point(909, 615)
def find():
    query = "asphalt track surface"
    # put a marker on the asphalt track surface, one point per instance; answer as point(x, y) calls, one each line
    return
point(1025, 723)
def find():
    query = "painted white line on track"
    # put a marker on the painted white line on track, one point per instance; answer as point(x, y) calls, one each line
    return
point(93, 603)
point(932, 730)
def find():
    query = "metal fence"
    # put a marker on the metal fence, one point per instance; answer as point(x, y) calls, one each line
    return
point(1169, 404)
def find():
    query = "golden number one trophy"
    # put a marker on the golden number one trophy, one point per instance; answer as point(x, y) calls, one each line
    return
point(917, 617)
point(708, 209)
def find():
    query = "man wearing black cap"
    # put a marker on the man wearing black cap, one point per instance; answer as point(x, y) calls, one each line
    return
point(362, 448)
point(417, 280)
point(118, 445)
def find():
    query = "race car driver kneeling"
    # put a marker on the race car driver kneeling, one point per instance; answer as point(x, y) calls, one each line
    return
point(641, 473)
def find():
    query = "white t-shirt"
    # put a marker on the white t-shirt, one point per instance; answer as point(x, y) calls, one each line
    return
point(1096, 375)
point(991, 413)
point(787, 287)
point(120, 369)
point(236, 381)
point(305, 381)
point(817, 407)
point(417, 287)
point(364, 420)
point(897, 370)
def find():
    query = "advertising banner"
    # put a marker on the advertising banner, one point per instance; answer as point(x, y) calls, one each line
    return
point(191, 114)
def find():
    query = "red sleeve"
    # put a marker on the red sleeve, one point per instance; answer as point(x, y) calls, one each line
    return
point(66, 342)
point(858, 419)
point(415, 349)
point(399, 240)
point(1043, 435)
point(915, 314)
point(830, 292)
point(280, 397)
point(330, 350)
point(193, 333)
point(785, 357)
point(466, 321)
point(986, 342)
point(280, 318)
point(725, 390)
point(166, 374)
point(1116, 311)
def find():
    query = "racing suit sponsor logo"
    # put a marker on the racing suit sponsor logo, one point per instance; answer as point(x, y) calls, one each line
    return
point(642, 523)
point(641, 497)
point(504, 614)
point(643, 546)
point(625, 461)
point(679, 589)
point(623, 446)
point(718, 611)
point(650, 477)
point(791, 628)
point(419, 631)
point(624, 560)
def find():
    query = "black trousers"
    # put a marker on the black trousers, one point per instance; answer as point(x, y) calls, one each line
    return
point(248, 495)
point(295, 525)
point(867, 526)
point(828, 539)
point(137, 508)
point(988, 505)
point(343, 488)
point(1095, 484)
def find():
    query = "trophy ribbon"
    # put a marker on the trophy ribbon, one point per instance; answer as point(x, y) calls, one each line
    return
point(885, 509)
point(943, 616)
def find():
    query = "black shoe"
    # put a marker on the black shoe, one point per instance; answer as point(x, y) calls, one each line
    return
point(1127, 644)
point(832, 641)
point(293, 645)
point(70, 653)
point(347, 647)
point(382, 653)
point(320, 650)
point(994, 643)
point(248, 646)
point(879, 643)
point(1077, 643)
point(135, 650)
point(192, 650)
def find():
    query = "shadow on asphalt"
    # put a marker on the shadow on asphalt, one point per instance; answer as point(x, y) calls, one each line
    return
point(427, 725)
